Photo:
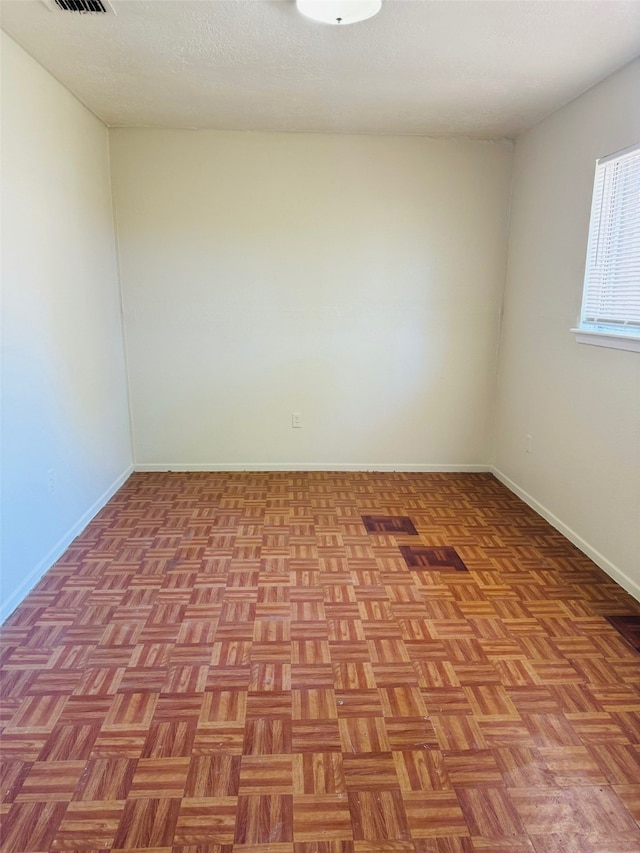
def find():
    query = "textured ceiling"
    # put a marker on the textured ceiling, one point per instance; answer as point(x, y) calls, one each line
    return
point(431, 67)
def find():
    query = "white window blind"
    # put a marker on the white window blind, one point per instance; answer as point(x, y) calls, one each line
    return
point(611, 298)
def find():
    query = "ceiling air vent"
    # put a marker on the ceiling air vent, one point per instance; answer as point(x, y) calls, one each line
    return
point(82, 7)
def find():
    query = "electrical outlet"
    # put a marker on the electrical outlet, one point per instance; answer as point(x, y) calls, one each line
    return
point(296, 420)
point(527, 443)
point(51, 480)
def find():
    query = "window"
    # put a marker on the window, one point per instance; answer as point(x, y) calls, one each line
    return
point(610, 314)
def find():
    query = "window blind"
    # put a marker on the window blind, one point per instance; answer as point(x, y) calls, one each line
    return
point(611, 300)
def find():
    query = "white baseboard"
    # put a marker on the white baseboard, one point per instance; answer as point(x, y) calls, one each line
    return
point(9, 605)
point(599, 559)
point(309, 466)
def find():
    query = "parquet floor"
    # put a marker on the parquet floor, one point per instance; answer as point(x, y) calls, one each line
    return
point(234, 663)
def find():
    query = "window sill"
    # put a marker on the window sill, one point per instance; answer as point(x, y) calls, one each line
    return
point(606, 339)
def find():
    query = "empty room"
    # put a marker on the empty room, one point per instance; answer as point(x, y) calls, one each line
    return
point(320, 437)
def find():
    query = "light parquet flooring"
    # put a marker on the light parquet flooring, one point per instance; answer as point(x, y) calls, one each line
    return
point(261, 663)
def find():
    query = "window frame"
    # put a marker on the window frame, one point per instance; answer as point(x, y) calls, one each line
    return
point(602, 334)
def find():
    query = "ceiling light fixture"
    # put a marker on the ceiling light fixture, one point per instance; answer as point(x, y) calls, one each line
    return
point(339, 11)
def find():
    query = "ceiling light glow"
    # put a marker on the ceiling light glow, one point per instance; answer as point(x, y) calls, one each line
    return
point(339, 12)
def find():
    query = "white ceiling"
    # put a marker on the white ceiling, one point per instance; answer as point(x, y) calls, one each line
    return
point(478, 68)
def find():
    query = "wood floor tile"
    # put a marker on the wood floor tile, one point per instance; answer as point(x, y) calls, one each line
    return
point(436, 814)
point(331, 846)
point(31, 826)
point(370, 772)
point(105, 779)
point(318, 773)
point(458, 732)
point(12, 776)
point(358, 703)
point(321, 662)
point(314, 704)
point(409, 733)
point(221, 737)
point(69, 742)
point(389, 524)
point(473, 769)
point(523, 767)
point(147, 823)
point(223, 706)
point(322, 817)
point(88, 825)
point(159, 777)
point(316, 736)
point(402, 702)
point(422, 770)
point(384, 846)
point(363, 734)
point(589, 810)
point(379, 816)
point(278, 847)
point(267, 737)
point(264, 819)
point(269, 705)
point(205, 821)
point(350, 675)
point(51, 781)
point(490, 812)
point(171, 739)
point(273, 677)
point(266, 774)
point(620, 842)
point(130, 711)
point(36, 714)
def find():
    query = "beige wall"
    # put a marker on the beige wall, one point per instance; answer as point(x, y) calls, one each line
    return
point(579, 403)
point(354, 279)
point(64, 398)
